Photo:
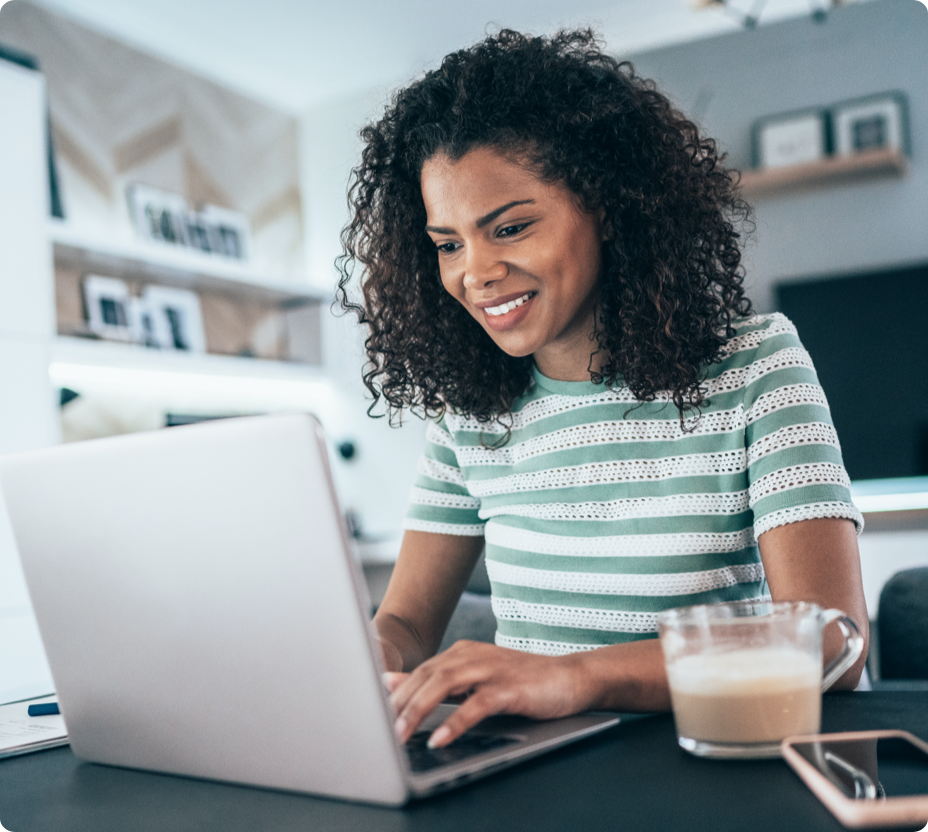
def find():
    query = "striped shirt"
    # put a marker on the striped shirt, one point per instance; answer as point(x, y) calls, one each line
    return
point(600, 511)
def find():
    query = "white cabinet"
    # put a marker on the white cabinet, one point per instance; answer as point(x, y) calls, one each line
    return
point(42, 264)
point(26, 288)
point(28, 407)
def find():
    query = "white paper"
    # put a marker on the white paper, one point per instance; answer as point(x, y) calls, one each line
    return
point(20, 732)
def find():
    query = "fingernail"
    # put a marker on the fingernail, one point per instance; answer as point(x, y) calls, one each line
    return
point(399, 727)
point(439, 736)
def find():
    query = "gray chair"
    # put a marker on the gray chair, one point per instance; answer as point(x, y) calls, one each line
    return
point(473, 618)
point(902, 625)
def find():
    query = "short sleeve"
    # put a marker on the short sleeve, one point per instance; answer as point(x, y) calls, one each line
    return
point(439, 502)
point(794, 464)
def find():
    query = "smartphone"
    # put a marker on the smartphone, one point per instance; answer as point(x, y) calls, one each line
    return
point(865, 778)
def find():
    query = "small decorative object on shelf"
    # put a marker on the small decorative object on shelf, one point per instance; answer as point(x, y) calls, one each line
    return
point(142, 323)
point(166, 218)
point(877, 122)
point(791, 139)
point(865, 137)
point(107, 302)
point(176, 319)
point(227, 231)
point(158, 215)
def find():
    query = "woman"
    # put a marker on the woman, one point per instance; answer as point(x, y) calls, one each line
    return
point(552, 272)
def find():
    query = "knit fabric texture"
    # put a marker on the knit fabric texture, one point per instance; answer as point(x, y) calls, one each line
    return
point(601, 511)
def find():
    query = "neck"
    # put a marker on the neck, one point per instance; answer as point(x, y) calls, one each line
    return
point(572, 366)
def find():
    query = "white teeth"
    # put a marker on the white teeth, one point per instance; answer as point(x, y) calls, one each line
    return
point(503, 308)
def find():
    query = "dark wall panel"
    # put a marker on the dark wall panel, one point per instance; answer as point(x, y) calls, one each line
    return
point(868, 337)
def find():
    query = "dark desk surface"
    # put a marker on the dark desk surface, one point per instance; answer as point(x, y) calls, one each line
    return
point(632, 777)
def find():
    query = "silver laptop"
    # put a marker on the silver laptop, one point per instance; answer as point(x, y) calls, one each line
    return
point(202, 615)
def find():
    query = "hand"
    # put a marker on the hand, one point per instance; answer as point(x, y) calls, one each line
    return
point(492, 680)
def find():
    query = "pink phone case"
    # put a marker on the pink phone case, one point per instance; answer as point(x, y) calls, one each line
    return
point(858, 814)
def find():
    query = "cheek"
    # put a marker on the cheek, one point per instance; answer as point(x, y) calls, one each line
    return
point(452, 285)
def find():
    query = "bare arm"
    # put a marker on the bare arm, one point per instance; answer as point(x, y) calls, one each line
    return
point(818, 560)
point(428, 579)
point(813, 560)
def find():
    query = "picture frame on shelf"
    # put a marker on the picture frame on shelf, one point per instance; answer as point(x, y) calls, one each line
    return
point(228, 232)
point(158, 216)
point(142, 323)
point(106, 307)
point(176, 318)
point(163, 217)
point(877, 122)
point(789, 139)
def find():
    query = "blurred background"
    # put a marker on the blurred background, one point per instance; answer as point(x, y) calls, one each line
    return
point(172, 188)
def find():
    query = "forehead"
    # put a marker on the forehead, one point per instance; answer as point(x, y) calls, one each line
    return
point(480, 181)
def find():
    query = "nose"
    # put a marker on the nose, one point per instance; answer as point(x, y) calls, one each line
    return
point(482, 266)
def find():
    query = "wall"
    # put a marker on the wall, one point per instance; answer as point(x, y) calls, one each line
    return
point(376, 484)
point(728, 82)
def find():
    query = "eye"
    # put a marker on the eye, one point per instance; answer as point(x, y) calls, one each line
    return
point(447, 248)
point(512, 230)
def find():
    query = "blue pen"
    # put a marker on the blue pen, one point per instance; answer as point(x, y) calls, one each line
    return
point(46, 709)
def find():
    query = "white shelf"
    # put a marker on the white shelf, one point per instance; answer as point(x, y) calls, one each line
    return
point(133, 380)
point(132, 357)
point(176, 266)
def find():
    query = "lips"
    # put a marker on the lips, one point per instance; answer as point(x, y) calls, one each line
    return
point(503, 308)
point(507, 311)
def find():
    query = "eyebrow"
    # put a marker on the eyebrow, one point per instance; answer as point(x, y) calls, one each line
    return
point(484, 220)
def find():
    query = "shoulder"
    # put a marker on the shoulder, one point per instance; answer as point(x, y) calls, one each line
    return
point(765, 352)
point(759, 336)
point(532, 406)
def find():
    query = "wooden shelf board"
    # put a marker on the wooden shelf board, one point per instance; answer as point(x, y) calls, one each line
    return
point(885, 161)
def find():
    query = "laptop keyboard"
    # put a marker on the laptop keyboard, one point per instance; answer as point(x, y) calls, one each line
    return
point(423, 758)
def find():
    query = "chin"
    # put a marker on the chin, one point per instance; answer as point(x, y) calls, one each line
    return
point(514, 349)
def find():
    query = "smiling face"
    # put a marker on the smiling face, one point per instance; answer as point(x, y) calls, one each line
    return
point(521, 255)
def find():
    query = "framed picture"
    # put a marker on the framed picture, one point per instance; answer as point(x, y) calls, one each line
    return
point(228, 231)
point(157, 215)
point(142, 323)
point(876, 122)
point(176, 321)
point(166, 218)
point(791, 139)
point(106, 306)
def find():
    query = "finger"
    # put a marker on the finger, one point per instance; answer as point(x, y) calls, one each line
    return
point(477, 708)
point(412, 682)
point(460, 654)
point(429, 692)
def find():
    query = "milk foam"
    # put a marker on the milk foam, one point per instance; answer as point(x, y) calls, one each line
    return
point(745, 670)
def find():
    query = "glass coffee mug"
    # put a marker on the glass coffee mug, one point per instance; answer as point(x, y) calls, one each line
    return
point(745, 675)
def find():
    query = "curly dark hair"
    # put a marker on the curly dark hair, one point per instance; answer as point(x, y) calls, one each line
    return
point(672, 274)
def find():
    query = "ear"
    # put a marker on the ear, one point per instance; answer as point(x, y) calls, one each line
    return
point(605, 226)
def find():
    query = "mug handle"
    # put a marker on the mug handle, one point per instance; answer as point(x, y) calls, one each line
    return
point(853, 646)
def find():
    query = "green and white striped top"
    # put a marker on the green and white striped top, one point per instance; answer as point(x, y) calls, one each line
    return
point(600, 511)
